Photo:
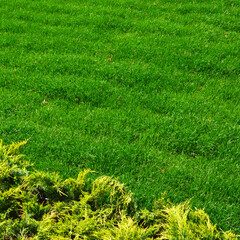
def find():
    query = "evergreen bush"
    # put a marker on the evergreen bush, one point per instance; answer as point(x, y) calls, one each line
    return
point(40, 205)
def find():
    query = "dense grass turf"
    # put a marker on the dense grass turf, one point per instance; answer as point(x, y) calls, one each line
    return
point(144, 91)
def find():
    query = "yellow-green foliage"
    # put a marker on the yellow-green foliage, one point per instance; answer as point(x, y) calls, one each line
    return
point(181, 222)
point(39, 205)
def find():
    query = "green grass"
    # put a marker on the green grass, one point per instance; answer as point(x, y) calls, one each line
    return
point(144, 91)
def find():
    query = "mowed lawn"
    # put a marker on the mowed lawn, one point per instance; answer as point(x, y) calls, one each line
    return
point(145, 91)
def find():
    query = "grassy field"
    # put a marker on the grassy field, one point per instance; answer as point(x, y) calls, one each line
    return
point(146, 91)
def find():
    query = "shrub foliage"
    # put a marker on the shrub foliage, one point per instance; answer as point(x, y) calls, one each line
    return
point(40, 205)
